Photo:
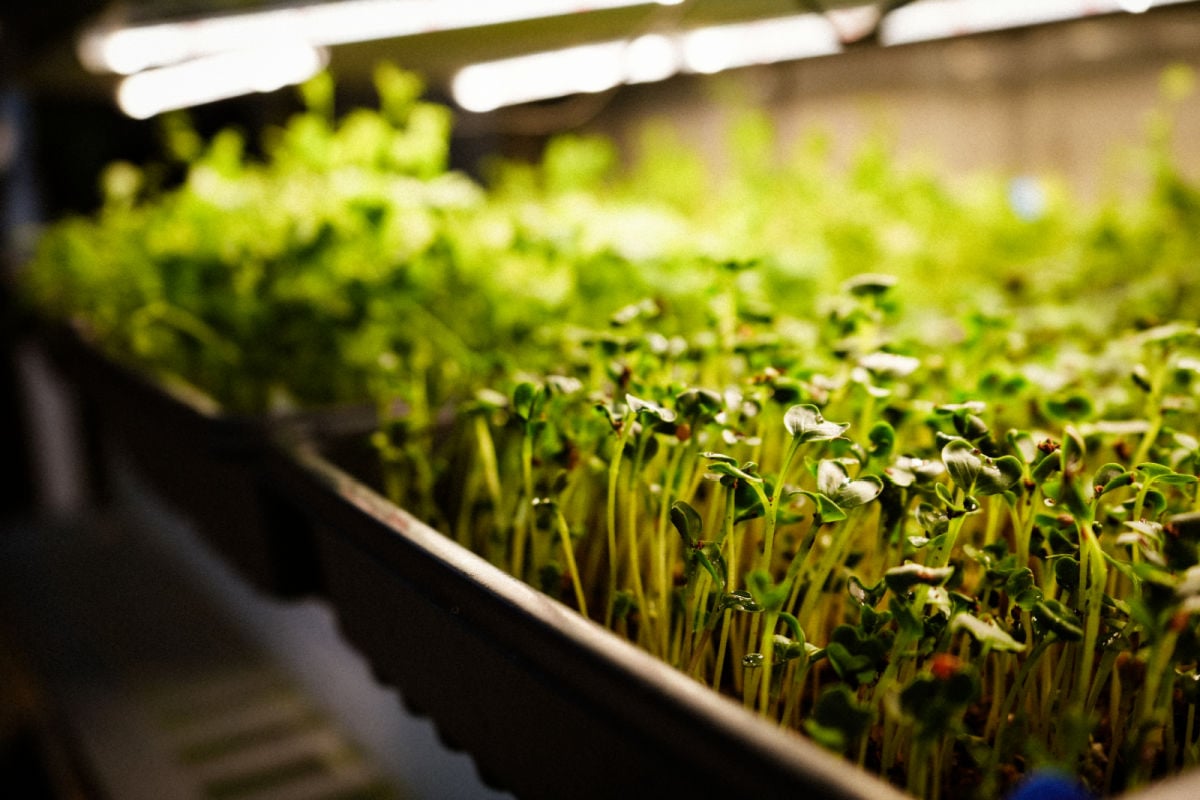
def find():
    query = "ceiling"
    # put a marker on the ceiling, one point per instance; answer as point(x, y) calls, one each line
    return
point(39, 39)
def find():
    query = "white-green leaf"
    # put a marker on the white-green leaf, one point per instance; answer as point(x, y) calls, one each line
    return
point(804, 422)
point(639, 406)
point(962, 462)
point(890, 364)
point(986, 633)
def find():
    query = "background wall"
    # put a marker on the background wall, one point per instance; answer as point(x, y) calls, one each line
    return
point(1067, 99)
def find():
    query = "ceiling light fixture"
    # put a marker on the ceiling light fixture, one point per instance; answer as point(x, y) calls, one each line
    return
point(217, 77)
point(941, 19)
point(126, 49)
point(489, 85)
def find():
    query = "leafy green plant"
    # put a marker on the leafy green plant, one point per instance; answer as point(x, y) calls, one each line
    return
point(880, 456)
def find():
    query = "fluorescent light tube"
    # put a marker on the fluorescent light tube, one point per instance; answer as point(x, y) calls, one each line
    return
point(940, 19)
point(129, 49)
point(557, 73)
point(204, 80)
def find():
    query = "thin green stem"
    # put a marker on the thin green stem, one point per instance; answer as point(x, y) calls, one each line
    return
point(614, 475)
point(564, 534)
point(633, 540)
point(771, 504)
point(767, 648)
point(1153, 412)
point(1093, 574)
point(523, 519)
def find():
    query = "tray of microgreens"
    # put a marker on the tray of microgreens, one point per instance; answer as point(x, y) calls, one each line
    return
point(940, 517)
point(674, 479)
point(950, 591)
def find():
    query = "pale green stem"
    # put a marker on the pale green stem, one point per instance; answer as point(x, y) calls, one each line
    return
point(768, 653)
point(564, 533)
point(614, 474)
point(645, 630)
point(771, 504)
point(523, 521)
point(1153, 413)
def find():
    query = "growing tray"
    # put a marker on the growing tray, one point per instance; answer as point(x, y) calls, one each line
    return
point(205, 464)
point(548, 704)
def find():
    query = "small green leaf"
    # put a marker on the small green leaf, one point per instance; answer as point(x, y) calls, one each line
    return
point(748, 500)
point(946, 495)
point(687, 521)
point(1141, 378)
point(1171, 333)
point(1176, 479)
point(970, 426)
point(639, 406)
point(726, 469)
point(714, 566)
point(1022, 588)
point(986, 633)
point(563, 384)
point(827, 510)
point(1153, 471)
point(932, 520)
point(1052, 617)
point(838, 719)
point(906, 471)
point(489, 400)
point(1072, 408)
point(962, 462)
point(853, 494)
point(889, 365)
point(936, 703)
point(804, 422)
point(868, 596)
point(869, 284)
point(769, 595)
point(1047, 466)
point(524, 397)
point(906, 617)
point(741, 600)
point(1023, 443)
point(1109, 477)
point(882, 437)
point(831, 475)
point(1066, 572)
point(1154, 503)
point(698, 404)
point(998, 475)
point(904, 578)
point(1072, 451)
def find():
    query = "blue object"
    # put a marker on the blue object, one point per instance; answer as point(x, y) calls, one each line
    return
point(1050, 786)
point(1027, 197)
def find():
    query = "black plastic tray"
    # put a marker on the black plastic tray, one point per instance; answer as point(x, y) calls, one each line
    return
point(549, 704)
point(204, 463)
